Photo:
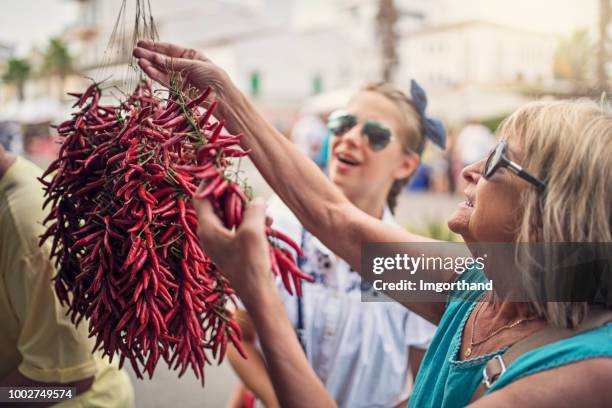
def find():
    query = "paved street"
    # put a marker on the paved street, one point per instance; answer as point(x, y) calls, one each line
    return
point(165, 390)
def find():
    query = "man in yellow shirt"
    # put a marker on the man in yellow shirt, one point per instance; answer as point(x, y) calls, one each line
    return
point(39, 346)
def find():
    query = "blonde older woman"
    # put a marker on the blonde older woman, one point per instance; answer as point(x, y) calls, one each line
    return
point(548, 180)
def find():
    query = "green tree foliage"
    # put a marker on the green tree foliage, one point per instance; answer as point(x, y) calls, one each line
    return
point(57, 59)
point(439, 230)
point(17, 73)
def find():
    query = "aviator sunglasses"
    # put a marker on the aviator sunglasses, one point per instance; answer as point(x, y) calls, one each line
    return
point(378, 136)
point(499, 158)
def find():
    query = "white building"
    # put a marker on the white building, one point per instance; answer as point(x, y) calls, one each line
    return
point(477, 52)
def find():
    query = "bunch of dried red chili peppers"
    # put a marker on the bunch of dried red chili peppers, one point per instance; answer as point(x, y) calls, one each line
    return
point(123, 228)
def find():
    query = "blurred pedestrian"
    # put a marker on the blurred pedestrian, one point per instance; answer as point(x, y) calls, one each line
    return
point(309, 133)
point(11, 137)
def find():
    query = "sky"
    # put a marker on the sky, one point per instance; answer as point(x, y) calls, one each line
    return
point(26, 23)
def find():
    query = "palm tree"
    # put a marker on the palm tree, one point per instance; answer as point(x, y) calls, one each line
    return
point(602, 46)
point(17, 72)
point(57, 60)
point(385, 26)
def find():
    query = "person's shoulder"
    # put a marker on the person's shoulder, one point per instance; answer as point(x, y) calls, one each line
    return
point(597, 371)
point(582, 383)
point(587, 355)
point(22, 212)
point(112, 385)
point(583, 346)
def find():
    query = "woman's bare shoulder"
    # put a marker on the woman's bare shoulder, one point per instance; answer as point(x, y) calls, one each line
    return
point(583, 383)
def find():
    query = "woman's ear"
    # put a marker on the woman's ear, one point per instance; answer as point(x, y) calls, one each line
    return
point(410, 162)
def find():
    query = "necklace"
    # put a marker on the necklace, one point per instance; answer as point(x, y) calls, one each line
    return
point(468, 351)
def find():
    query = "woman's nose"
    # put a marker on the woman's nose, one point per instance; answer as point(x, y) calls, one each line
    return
point(473, 172)
point(353, 136)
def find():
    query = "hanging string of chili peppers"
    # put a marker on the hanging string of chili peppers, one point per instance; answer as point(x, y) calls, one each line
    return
point(123, 228)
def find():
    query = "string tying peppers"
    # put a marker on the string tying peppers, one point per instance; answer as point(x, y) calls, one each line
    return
point(123, 229)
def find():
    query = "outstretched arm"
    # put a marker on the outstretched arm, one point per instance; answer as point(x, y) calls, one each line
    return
point(318, 203)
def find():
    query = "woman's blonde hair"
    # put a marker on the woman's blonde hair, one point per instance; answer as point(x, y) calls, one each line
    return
point(411, 136)
point(568, 145)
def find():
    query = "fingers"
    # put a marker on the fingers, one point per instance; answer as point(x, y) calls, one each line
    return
point(171, 50)
point(269, 221)
point(153, 57)
point(177, 71)
point(210, 226)
point(254, 216)
point(153, 72)
point(162, 62)
point(164, 69)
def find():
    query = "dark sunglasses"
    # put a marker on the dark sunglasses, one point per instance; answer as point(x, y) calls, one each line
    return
point(498, 159)
point(379, 136)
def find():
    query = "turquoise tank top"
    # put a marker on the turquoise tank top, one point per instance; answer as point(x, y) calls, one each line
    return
point(445, 381)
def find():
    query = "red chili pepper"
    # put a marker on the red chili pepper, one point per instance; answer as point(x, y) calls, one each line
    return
point(169, 232)
point(154, 177)
point(136, 245)
point(104, 126)
point(211, 172)
point(168, 204)
point(172, 108)
point(139, 224)
point(185, 184)
point(203, 121)
point(126, 187)
point(220, 189)
point(87, 239)
point(286, 263)
point(231, 152)
point(277, 234)
point(210, 187)
point(236, 342)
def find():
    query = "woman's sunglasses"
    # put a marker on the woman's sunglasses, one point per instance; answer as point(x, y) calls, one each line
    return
point(379, 136)
point(498, 159)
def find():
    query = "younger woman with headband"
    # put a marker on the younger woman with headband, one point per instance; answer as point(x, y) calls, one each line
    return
point(375, 148)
